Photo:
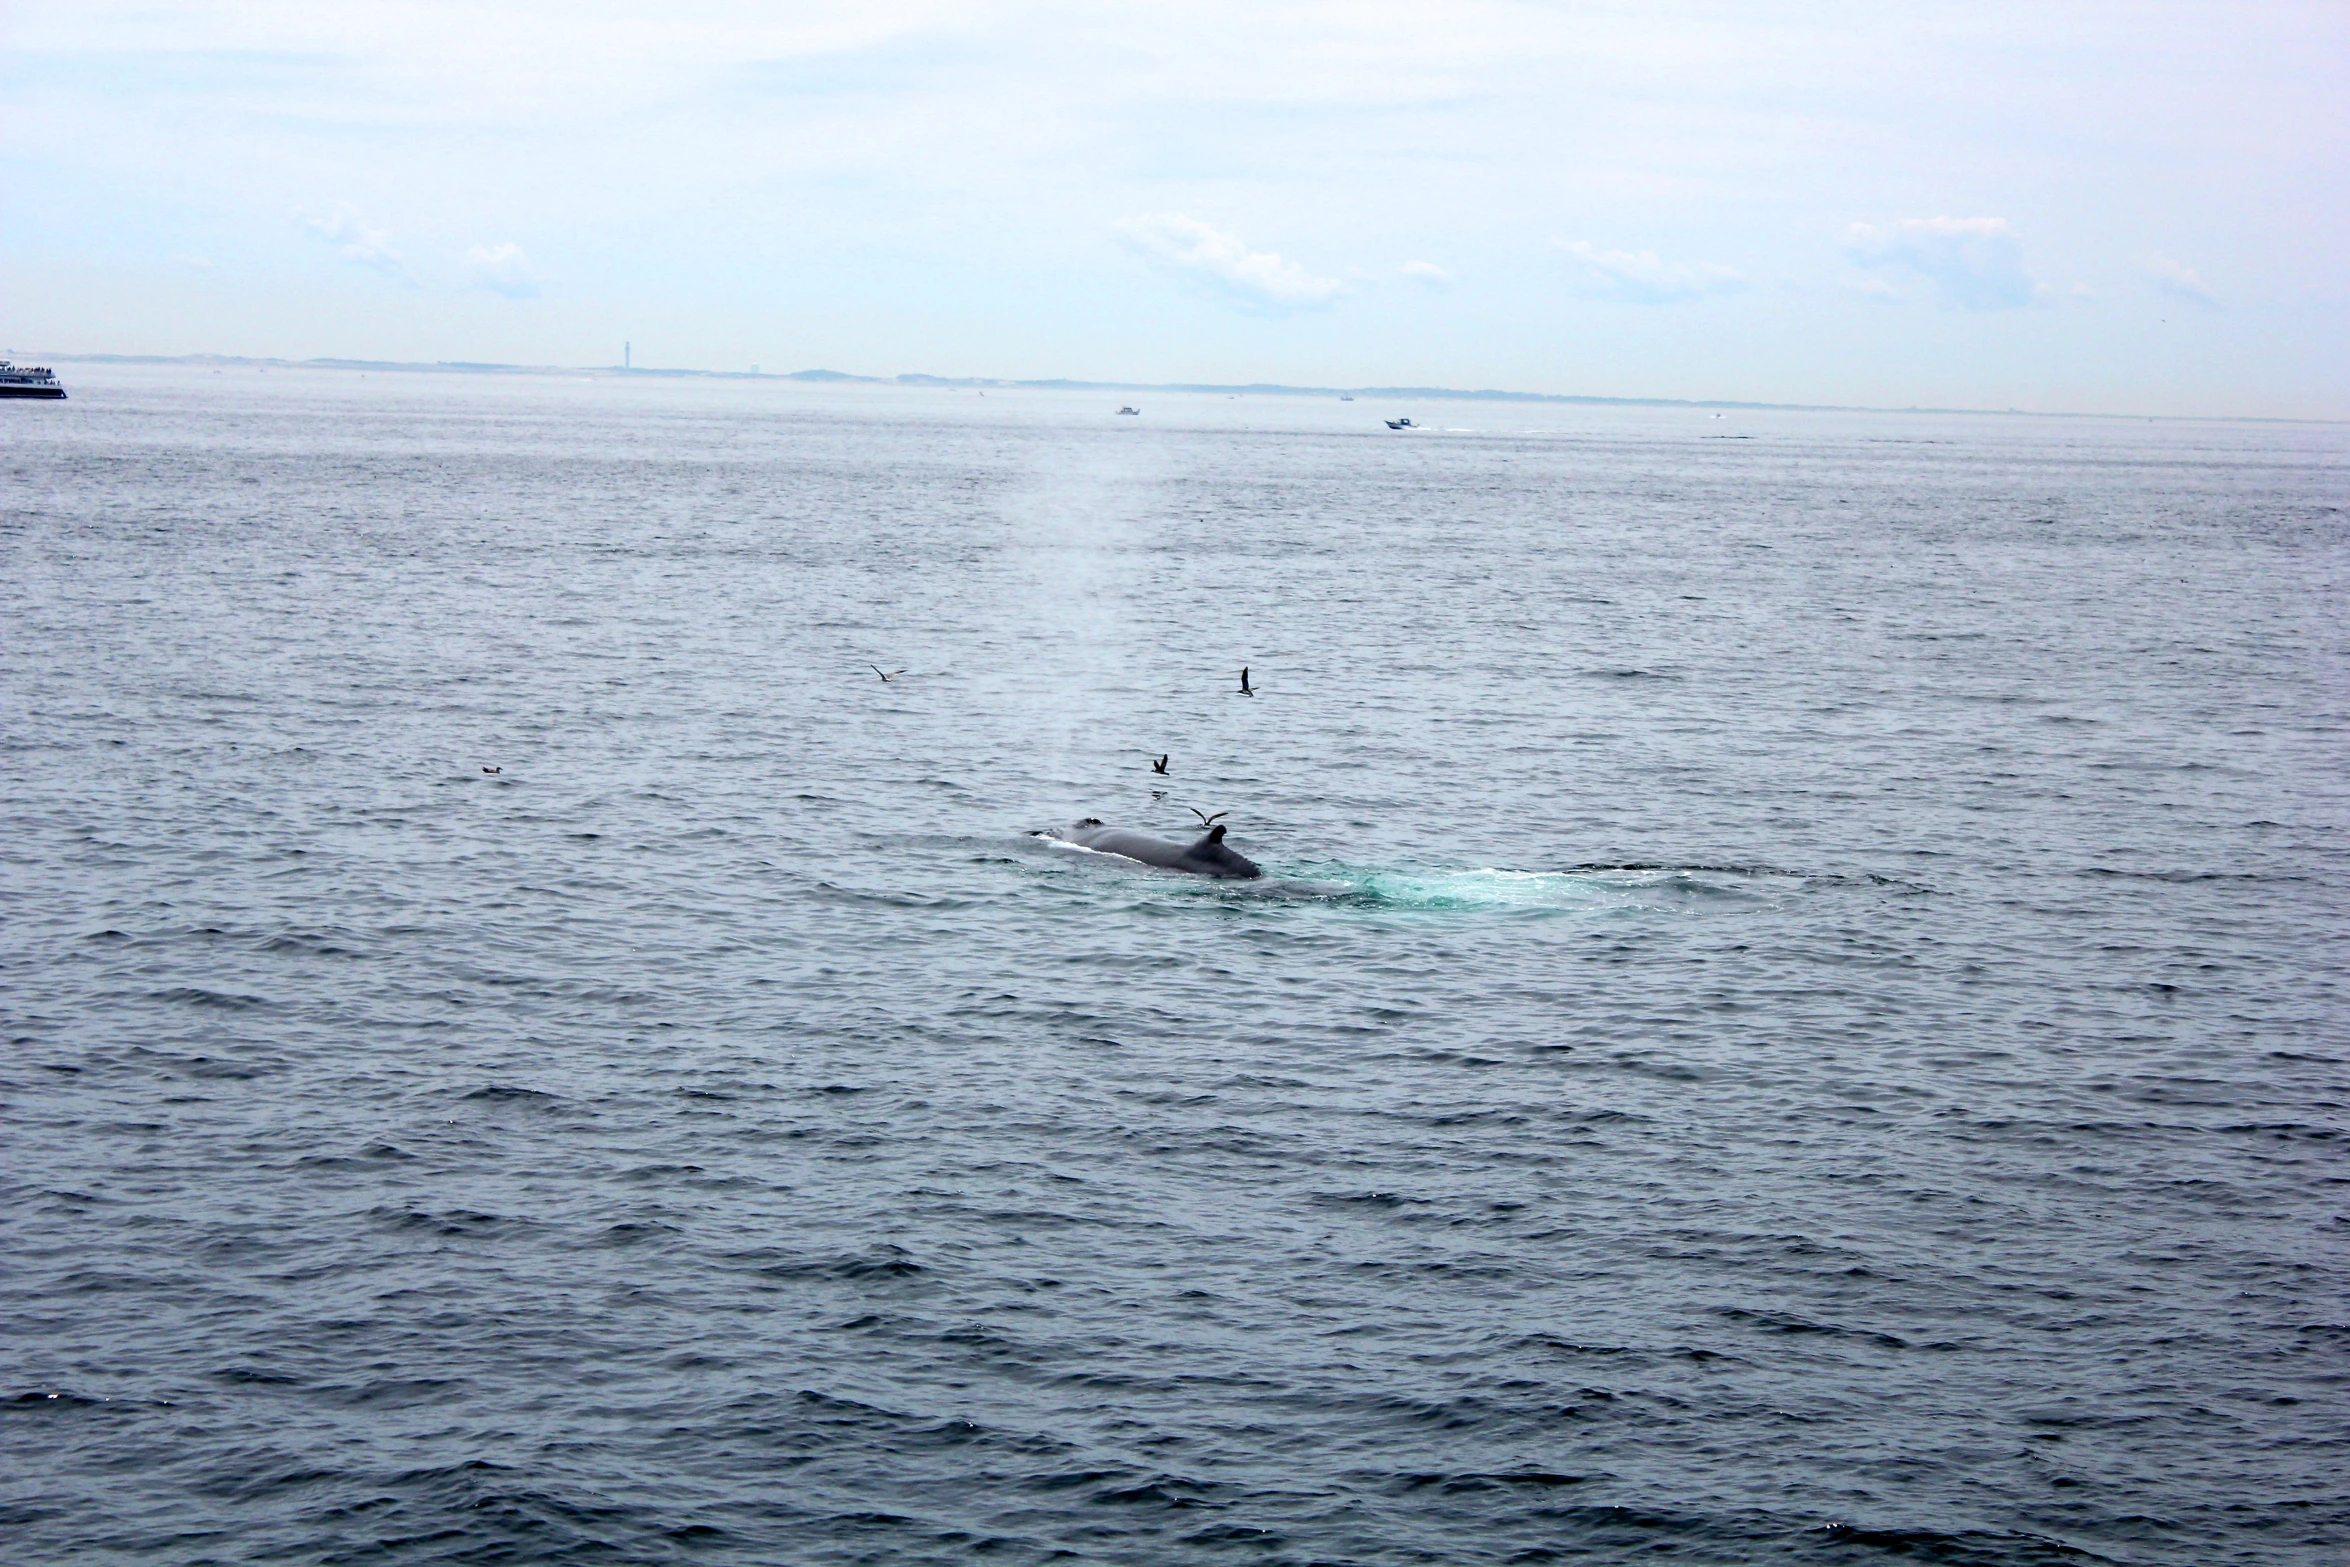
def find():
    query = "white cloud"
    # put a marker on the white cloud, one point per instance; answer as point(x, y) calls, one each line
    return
point(1977, 263)
point(2179, 280)
point(503, 269)
point(1427, 273)
point(1259, 278)
point(1642, 277)
point(353, 240)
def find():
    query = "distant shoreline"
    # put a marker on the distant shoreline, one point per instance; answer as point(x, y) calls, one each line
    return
point(1253, 388)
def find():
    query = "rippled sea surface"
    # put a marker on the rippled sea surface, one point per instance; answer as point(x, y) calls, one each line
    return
point(1795, 1016)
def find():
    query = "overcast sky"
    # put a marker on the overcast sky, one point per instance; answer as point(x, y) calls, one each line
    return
point(2135, 207)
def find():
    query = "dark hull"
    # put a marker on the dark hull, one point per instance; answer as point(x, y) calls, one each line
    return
point(50, 393)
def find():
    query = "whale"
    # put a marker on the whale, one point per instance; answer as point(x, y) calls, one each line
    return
point(1207, 857)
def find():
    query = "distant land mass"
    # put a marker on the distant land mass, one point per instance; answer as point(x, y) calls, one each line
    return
point(985, 383)
point(970, 382)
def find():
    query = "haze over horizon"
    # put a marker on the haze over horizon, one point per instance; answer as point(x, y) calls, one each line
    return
point(2104, 207)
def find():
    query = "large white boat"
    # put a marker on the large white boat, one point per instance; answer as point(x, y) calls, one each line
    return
point(28, 381)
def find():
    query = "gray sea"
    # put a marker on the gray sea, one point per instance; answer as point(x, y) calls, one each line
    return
point(1796, 1014)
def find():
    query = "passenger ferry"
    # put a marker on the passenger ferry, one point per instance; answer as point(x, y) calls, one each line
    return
point(28, 381)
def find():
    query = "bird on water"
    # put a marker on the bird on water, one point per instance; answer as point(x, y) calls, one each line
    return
point(1245, 688)
point(493, 769)
point(887, 675)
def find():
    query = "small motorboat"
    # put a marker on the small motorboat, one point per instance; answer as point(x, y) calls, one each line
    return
point(1401, 424)
point(1130, 410)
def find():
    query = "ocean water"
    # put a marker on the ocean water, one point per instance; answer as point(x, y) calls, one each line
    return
point(1796, 1014)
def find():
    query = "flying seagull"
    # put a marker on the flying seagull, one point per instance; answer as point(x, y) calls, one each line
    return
point(1207, 821)
point(887, 675)
point(1245, 688)
point(1160, 767)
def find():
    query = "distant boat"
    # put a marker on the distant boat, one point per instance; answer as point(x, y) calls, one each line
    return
point(1401, 424)
point(29, 381)
point(1344, 398)
point(1129, 410)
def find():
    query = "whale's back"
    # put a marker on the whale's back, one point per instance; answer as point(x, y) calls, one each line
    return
point(1207, 857)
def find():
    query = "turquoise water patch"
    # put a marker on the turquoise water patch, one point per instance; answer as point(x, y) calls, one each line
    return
point(1491, 889)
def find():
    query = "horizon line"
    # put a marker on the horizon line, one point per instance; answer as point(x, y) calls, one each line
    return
point(1063, 384)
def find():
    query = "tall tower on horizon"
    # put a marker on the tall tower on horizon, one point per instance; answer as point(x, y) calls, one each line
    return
point(626, 349)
